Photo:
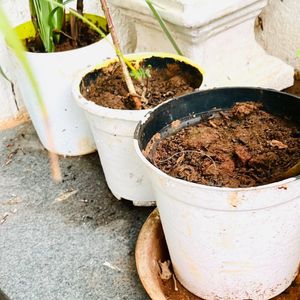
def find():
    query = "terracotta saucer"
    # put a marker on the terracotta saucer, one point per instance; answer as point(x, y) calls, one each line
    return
point(151, 248)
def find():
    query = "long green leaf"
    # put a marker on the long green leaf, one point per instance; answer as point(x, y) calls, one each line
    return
point(43, 10)
point(60, 11)
point(55, 21)
point(164, 27)
point(48, 20)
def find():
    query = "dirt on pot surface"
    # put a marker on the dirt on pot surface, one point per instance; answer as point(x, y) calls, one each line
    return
point(241, 147)
point(162, 79)
point(152, 249)
point(86, 36)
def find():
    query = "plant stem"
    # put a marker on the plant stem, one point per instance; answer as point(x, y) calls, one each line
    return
point(164, 27)
point(75, 23)
point(135, 97)
point(74, 32)
point(79, 6)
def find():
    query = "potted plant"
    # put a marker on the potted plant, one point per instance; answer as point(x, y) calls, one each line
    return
point(115, 95)
point(58, 46)
point(241, 240)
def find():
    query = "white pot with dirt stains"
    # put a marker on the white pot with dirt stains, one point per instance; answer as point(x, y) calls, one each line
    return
point(113, 131)
point(54, 73)
point(226, 243)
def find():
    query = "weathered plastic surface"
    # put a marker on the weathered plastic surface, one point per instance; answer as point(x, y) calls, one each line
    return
point(54, 73)
point(227, 243)
point(113, 131)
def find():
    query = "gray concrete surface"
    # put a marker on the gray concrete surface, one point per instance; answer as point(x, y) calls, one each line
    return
point(78, 248)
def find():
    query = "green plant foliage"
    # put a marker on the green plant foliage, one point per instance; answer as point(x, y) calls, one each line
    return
point(141, 73)
point(58, 3)
point(57, 19)
point(298, 53)
point(47, 23)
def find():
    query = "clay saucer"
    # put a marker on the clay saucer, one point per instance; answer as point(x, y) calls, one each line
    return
point(151, 248)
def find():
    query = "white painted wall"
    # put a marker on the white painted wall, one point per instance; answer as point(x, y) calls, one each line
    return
point(10, 101)
point(279, 30)
point(219, 35)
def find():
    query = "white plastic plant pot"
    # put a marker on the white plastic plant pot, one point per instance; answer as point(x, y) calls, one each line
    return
point(226, 243)
point(113, 131)
point(54, 73)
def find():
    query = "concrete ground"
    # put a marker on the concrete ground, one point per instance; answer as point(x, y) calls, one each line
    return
point(69, 241)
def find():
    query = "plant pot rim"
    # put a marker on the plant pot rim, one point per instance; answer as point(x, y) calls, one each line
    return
point(61, 53)
point(197, 185)
point(124, 114)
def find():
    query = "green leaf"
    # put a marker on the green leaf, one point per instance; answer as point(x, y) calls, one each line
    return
point(55, 21)
point(43, 10)
point(164, 27)
point(48, 19)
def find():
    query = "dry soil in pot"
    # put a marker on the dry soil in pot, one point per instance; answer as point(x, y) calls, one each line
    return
point(241, 147)
point(162, 79)
point(86, 36)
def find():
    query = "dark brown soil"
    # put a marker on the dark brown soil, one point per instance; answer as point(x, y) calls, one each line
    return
point(87, 36)
point(242, 147)
point(167, 79)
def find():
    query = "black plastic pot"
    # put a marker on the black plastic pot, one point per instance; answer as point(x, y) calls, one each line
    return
point(190, 108)
point(195, 216)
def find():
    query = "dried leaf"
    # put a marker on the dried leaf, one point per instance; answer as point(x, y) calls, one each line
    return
point(65, 196)
point(109, 265)
point(212, 124)
point(13, 201)
point(175, 124)
point(277, 144)
point(242, 154)
point(4, 218)
point(165, 273)
point(175, 283)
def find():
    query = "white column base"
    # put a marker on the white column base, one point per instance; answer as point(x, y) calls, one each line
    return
point(278, 30)
point(219, 36)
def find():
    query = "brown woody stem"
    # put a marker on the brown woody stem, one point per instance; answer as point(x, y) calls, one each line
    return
point(75, 24)
point(79, 8)
point(74, 32)
point(135, 97)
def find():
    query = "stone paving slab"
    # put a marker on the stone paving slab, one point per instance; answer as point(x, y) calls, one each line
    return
point(69, 241)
